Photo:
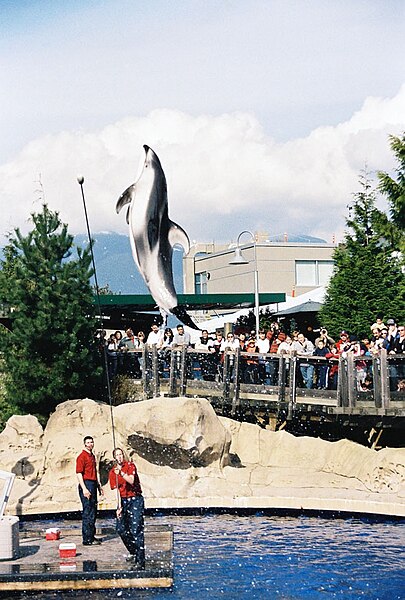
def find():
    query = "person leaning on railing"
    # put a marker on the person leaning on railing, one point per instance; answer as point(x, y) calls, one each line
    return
point(322, 369)
point(229, 344)
point(333, 358)
point(263, 346)
point(155, 336)
point(327, 340)
point(112, 356)
point(252, 368)
point(305, 348)
point(396, 345)
point(205, 348)
point(165, 352)
point(127, 345)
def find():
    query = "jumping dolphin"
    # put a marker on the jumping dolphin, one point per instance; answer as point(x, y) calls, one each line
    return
point(153, 235)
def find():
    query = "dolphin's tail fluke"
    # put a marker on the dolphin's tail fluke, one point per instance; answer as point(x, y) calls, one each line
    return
point(184, 317)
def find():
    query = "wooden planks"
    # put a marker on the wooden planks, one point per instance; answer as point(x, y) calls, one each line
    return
point(39, 566)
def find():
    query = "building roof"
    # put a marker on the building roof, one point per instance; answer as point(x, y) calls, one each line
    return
point(133, 303)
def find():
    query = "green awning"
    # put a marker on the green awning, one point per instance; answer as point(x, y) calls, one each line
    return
point(145, 302)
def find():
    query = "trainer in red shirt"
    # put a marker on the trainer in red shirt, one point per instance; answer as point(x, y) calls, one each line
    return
point(127, 479)
point(130, 511)
point(86, 465)
point(89, 484)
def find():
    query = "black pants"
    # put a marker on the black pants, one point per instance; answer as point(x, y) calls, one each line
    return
point(89, 511)
point(130, 527)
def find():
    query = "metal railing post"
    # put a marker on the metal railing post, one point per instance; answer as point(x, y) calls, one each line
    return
point(155, 371)
point(281, 378)
point(172, 374)
point(377, 382)
point(385, 379)
point(144, 373)
point(183, 371)
point(342, 383)
point(351, 380)
point(293, 386)
point(236, 382)
point(226, 379)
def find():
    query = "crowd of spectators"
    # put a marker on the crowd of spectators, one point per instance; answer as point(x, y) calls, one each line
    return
point(317, 359)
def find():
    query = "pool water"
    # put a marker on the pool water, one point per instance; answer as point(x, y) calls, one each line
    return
point(259, 556)
point(223, 556)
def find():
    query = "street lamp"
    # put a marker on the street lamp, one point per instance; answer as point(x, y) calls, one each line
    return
point(239, 259)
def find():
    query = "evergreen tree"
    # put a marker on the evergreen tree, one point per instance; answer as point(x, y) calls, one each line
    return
point(368, 277)
point(50, 353)
point(394, 190)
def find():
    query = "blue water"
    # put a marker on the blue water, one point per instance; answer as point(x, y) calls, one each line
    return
point(228, 556)
point(284, 557)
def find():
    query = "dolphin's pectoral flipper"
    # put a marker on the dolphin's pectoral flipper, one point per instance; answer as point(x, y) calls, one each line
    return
point(127, 217)
point(125, 198)
point(177, 235)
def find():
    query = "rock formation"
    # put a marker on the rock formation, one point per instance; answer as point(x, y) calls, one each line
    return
point(187, 456)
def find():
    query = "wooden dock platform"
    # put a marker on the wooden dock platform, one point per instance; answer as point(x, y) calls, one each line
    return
point(40, 568)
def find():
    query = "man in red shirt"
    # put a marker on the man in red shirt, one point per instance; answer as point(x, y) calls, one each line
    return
point(86, 472)
point(130, 523)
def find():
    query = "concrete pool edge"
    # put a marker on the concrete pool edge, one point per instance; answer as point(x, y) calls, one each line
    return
point(279, 504)
point(295, 503)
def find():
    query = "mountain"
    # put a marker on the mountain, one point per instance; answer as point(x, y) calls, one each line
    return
point(115, 265)
point(116, 268)
point(300, 239)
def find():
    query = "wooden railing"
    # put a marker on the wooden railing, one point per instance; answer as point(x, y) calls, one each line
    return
point(239, 377)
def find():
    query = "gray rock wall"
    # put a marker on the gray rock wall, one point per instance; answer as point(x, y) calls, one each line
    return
point(187, 456)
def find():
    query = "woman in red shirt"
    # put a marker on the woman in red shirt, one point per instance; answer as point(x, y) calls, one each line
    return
point(130, 522)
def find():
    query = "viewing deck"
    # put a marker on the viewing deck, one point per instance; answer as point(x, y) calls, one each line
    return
point(276, 397)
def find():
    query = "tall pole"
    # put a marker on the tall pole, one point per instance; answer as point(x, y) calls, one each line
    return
point(240, 260)
point(80, 181)
point(257, 307)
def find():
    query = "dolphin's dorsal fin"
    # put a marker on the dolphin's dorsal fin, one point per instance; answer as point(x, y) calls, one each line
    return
point(177, 235)
point(125, 198)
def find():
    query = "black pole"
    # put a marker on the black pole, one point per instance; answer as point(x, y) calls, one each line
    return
point(80, 181)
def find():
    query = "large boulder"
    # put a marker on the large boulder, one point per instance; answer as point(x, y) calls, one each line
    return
point(175, 432)
point(63, 441)
point(282, 460)
point(22, 432)
point(21, 446)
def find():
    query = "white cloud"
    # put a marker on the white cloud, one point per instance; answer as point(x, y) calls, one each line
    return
point(223, 172)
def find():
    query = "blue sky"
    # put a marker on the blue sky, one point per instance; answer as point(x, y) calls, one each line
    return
point(263, 113)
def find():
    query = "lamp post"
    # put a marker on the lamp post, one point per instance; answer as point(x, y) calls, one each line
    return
point(239, 259)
